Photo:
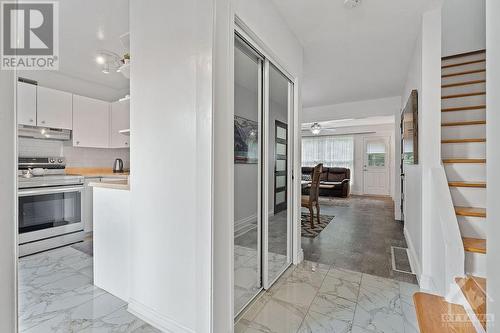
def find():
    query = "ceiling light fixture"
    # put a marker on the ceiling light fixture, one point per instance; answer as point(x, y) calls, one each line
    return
point(100, 60)
point(315, 128)
point(352, 3)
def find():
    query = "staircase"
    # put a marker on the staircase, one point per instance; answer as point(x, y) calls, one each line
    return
point(463, 150)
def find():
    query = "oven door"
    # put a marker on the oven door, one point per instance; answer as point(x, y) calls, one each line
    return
point(49, 212)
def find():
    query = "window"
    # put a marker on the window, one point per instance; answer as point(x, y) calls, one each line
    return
point(376, 154)
point(332, 151)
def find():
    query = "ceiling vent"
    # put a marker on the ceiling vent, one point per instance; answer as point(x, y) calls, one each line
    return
point(352, 3)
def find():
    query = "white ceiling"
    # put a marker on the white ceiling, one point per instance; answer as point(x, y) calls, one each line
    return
point(86, 26)
point(380, 120)
point(353, 54)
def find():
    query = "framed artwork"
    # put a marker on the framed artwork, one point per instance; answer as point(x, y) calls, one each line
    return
point(409, 130)
point(246, 140)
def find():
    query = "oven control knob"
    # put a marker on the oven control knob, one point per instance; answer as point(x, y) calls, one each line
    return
point(52, 160)
point(60, 160)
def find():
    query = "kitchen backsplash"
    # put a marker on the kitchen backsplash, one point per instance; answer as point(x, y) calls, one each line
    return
point(75, 156)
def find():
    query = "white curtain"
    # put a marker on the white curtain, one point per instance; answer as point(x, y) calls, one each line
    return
point(332, 151)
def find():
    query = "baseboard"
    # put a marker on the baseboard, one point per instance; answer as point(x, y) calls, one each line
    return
point(156, 319)
point(412, 256)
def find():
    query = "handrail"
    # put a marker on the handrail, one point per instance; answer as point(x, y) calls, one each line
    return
point(450, 259)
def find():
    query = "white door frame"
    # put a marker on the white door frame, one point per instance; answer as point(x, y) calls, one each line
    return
point(386, 167)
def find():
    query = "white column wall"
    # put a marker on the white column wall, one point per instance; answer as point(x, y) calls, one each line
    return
point(8, 232)
point(171, 126)
point(493, 159)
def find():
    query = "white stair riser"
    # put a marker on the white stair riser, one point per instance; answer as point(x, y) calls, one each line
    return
point(475, 264)
point(463, 68)
point(473, 227)
point(463, 150)
point(463, 132)
point(463, 78)
point(463, 101)
point(467, 115)
point(468, 197)
point(470, 88)
point(465, 172)
point(459, 60)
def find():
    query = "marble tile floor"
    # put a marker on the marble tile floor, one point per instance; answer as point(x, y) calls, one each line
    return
point(56, 294)
point(317, 298)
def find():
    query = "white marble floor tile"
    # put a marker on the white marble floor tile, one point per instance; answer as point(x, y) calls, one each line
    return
point(341, 288)
point(278, 316)
point(296, 292)
point(334, 306)
point(345, 274)
point(319, 323)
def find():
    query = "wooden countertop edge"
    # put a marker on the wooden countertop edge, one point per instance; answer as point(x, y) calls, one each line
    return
point(118, 185)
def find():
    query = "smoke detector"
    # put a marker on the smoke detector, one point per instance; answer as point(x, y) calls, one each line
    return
point(352, 3)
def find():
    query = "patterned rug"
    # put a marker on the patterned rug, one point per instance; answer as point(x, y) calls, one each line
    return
point(309, 232)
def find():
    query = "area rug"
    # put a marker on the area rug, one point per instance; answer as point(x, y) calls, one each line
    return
point(309, 232)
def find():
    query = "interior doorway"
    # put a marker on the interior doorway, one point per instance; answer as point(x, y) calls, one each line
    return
point(376, 166)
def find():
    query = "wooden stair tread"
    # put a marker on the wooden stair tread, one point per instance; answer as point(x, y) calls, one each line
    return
point(475, 245)
point(464, 73)
point(480, 93)
point(465, 160)
point(464, 63)
point(432, 310)
point(474, 290)
point(472, 140)
point(464, 123)
point(467, 184)
point(470, 211)
point(464, 108)
point(465, 83)
point(466, 54)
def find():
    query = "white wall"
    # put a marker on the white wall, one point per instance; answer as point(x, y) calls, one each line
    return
point(493, 153)
point(424, 74)
point(463, 26)
point(264, 20)
point(171, 121)
point(8, 232)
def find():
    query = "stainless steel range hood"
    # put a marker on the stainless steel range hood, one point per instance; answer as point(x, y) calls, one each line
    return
point(43, 133)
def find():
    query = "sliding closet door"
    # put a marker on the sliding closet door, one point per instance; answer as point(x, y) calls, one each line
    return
point(248, 69)
point(278, 101)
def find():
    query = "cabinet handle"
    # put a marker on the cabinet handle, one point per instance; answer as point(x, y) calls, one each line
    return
point(78, 142)
point(126, 143)
point(31, 120)
point(43, 121)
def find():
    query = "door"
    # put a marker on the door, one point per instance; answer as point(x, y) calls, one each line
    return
point(90, 122)
point(280, 166)
point(54, 108)
point(120, 120)
point(376, 166)
point(26, 104)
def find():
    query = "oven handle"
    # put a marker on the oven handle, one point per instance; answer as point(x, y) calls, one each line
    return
point(24, 193)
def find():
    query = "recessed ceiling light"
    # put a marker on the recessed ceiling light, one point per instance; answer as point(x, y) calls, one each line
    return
point(100, 60)
point(352, 3)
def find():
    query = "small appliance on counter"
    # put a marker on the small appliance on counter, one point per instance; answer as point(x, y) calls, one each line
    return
point(118, 165)
point(50, 205)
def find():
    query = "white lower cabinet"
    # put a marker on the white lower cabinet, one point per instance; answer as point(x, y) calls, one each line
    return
point(91, 119)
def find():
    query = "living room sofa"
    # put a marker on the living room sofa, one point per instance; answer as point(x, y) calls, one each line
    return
point(334, 182)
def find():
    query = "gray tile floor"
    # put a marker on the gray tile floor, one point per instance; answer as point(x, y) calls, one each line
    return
point(321, 298)
point(56, 294)
point(359, 238)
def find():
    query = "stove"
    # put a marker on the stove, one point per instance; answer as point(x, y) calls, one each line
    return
point(50, 206)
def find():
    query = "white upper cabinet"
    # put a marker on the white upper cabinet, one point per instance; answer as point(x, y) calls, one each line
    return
point(54, 108)
point(90, 122)
point(26, 104)
point(120, 120)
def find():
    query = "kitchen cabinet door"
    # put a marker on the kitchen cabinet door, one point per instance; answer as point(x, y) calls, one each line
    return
point(54, 108)
point(26, 104)
point(90, 122)
point(120, 120)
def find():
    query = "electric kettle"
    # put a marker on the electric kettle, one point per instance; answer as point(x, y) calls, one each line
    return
point(118, 165)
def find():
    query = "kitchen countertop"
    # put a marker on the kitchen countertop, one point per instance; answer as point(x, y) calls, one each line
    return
point(95, 172)
point(113, 184)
